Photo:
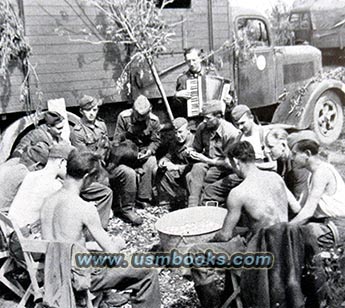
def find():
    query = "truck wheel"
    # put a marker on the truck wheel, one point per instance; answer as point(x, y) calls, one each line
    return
point(328, 117)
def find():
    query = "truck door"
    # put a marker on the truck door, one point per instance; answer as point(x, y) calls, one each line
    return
point(254, 63)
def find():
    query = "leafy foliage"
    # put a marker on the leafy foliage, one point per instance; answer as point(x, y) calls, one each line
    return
point(15, 50)
point(12, 41)
point(279, 18)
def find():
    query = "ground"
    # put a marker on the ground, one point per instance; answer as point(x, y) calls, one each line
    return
point(177, 291)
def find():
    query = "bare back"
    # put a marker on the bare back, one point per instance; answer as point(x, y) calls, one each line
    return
point(62, 217)
point(263, 198)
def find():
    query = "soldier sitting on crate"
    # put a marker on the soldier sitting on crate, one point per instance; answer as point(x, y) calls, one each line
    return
point(262, 196)
point(142, 127)
point(173, 167)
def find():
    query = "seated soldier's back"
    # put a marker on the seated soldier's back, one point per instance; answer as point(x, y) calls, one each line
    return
point(62, 218)
point(264, 198)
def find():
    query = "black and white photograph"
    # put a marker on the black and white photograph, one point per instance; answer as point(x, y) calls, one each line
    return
point(172, 153)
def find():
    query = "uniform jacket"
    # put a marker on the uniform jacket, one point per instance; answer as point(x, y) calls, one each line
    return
point(144, 134)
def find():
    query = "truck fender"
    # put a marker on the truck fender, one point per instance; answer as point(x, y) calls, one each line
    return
point(16, 130)
point(301, 113)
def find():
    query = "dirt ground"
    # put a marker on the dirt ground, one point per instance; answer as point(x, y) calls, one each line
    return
point(177, 291)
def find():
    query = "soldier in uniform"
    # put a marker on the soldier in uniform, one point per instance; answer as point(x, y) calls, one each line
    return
point(173, 167)
point(91, 134)
point(142, 127)
point(49, 133)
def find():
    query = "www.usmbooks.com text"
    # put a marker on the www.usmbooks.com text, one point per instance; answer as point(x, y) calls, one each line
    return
point(175, 259)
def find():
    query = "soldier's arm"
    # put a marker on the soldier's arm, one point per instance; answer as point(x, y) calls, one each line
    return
point(234, 205)
point(320, 180)
point(120, 130)
point(93, 223)
point(78, 139)
point(155, 137)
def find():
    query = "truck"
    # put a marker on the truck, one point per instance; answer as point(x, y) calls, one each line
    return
point(321, 24)
point(282, 84)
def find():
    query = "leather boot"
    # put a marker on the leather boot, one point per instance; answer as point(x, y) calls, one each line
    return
point(208, 295)
point(127, 212)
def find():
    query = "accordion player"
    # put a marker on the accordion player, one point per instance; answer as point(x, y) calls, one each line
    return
point(204, 89)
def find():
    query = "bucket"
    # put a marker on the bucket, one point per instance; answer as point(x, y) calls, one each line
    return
point(183, 228)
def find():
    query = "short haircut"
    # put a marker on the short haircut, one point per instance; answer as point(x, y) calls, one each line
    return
point(190, 50)
point(310, 145)
point(81, 163)
point(243, 151)
point(277, 134)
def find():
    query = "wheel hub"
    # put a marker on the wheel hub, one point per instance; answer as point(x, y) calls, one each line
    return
point(327, 117)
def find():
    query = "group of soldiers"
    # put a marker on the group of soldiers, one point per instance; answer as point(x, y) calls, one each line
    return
point(57, 188)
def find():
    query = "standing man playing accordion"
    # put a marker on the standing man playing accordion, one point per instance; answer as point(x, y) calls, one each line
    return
point(197, 86)
point(196, 68)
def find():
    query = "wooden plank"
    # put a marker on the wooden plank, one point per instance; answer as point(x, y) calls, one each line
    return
point(65, 58)
point(68, 76)
point(63, 11)
point(55, 3)
point(54, 39)
point(66, 49)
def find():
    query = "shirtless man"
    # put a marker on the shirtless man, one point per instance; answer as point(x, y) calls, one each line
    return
point(65, 216)
point(262, 196)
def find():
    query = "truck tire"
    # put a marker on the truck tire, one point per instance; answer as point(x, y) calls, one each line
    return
point(328, 117)
point(12, 133)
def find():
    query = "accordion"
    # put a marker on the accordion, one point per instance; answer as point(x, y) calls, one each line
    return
point(204, 89)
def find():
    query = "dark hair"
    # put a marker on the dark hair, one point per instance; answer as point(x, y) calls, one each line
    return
point(243, 151)
point(190, 50)
point(310, 145)
point(81, 163)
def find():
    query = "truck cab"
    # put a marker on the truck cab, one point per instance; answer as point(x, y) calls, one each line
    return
point(284, 81)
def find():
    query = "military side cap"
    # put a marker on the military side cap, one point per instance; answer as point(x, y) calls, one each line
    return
point(38, 153)
point(60, 151)
point(179, 122)
point(142, 105)
point(88, 102)
point(212, 107)
point(238, 111)
point(302, 135)
point(53, 117)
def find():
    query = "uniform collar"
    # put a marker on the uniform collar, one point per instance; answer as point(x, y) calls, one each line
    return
point(86, 123)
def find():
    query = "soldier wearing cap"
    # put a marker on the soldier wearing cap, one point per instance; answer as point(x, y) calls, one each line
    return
point(91, 133)
point(13, 171)
point(173, 167)
point(255, 135)
point(142, 127)
point(49, 133)
point(325, 202)
point(213, 138)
